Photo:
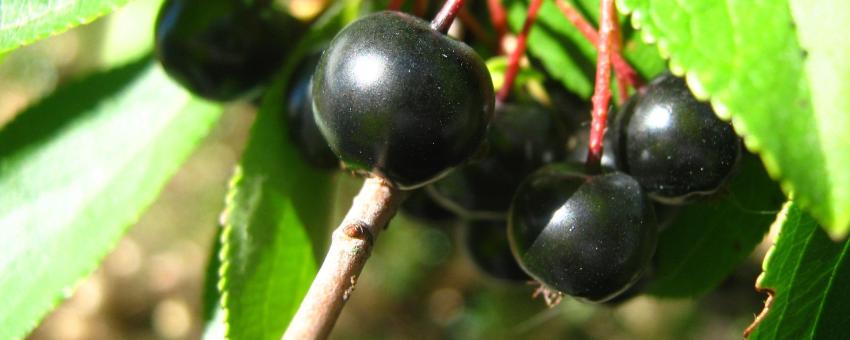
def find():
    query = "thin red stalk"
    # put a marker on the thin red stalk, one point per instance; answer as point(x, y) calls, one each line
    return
point(471, 23)
point(395, 5)
point(602, 90)
point(625, 73)
point(443, 20)
point(519, 50)
point(622, 82)
point(420, 7)
point(499, 20)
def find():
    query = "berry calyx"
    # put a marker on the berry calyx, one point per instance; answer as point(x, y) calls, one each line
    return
point(590, 237)
point(396, 98)
point(675, 145)
point(222, 49)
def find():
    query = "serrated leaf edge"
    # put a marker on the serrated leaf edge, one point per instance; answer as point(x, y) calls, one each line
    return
point(750, 142)
point(225, 252)
point(61, 29)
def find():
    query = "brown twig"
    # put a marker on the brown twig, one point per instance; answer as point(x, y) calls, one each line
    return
point(351, 246)
point(767, 305)
point(602, 89)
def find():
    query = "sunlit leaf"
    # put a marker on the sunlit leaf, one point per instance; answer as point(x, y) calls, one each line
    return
point(76, 170)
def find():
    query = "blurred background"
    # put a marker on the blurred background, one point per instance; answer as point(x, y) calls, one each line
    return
point(420, 282)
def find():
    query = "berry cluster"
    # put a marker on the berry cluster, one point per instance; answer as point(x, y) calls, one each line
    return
point(393, 96)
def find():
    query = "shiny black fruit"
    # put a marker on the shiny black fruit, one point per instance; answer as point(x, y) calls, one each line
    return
point(674, 145)
point(223, 49)
point(590, 237)
point(303, 130)
point(399, 99)
point(522, 138)
point(487, 246)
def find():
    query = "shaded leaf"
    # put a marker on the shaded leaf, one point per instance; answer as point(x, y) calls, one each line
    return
point(277, 213)
point(708, 240)
point(268, 256)
point(807, 274)
point(76, 170)
point(792, 109)
point(23, 22)
point(212, 313)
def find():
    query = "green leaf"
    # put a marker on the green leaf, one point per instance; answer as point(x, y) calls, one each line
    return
point(807, 275)
point(128, 32)
point(23, 22)
point(567, 55)
point(269, 259)
point(212, 313)
point(211, 296)
point(708, 240)
point(76, 170)
point(784, 90)
point(278, 211)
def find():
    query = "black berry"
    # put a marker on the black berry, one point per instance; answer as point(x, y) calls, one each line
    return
point(222, 49)
point(421, 207)
point(303, 130)
point(397, 98)
point(522, 138)
point(487, 246)
point(590, 237)
point(675, 145)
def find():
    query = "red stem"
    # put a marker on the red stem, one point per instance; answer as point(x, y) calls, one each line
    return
point(499, 19)
point(624, 72)
point(471, 23)
point(622, 82)
point(443, 20)
point(519, 50)
point(395, 5)
point(420, 7)
point(602, 90)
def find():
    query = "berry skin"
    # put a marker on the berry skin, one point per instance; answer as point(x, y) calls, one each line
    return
point(590, 237)
point(487, 246)
point(674, 145)
point(399, 99)
point(303, 130)
point(222, 49)
point(522, 138)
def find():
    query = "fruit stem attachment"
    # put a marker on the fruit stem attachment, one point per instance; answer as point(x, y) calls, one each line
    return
point(602, 89)
point(351, 245)
point(443, 20)
point(519, 50)
point(623, 71)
